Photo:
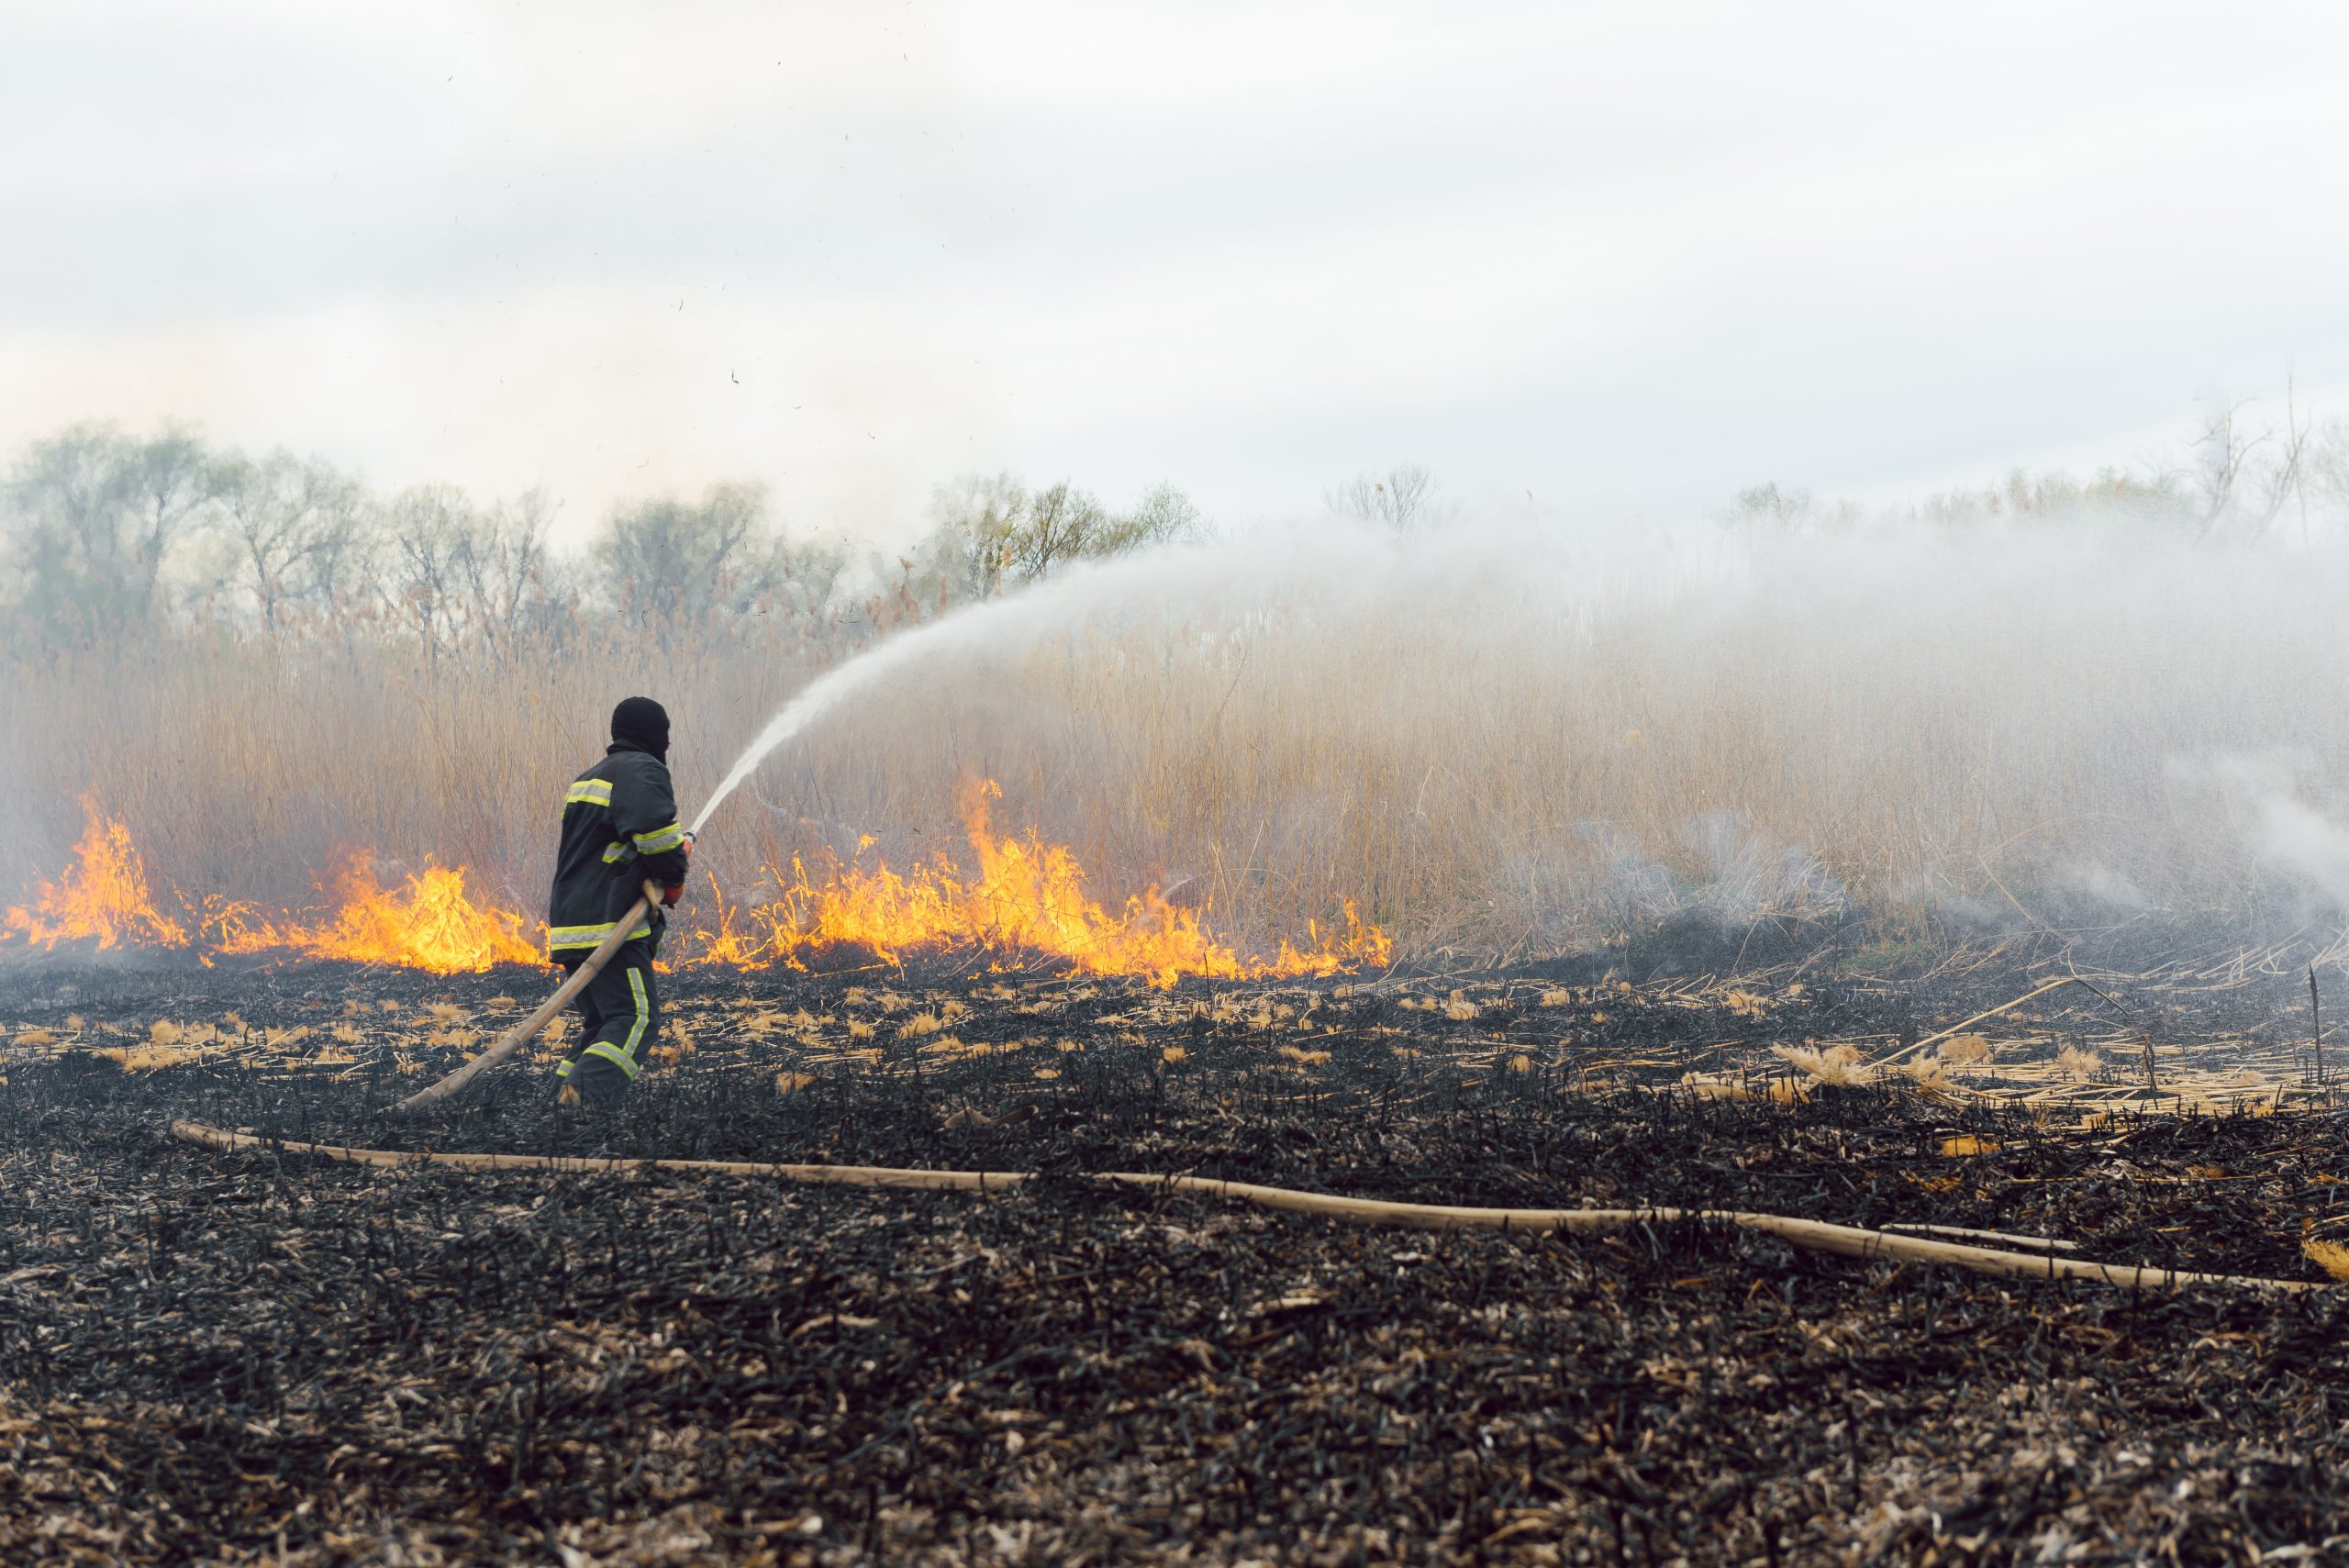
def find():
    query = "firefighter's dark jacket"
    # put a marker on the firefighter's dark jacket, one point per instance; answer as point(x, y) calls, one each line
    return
point(619, 830)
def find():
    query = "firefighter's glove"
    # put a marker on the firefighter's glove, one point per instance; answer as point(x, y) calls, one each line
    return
point(670, 894)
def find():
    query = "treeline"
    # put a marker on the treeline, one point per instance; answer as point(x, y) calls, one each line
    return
point(2237, 481)
point(109, 539)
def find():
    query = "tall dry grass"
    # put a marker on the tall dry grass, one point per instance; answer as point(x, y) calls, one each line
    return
point(1950, 732)
point(252, 771)
point(1492, 760)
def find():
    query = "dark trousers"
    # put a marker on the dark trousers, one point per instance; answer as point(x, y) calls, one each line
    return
point(620, 1010)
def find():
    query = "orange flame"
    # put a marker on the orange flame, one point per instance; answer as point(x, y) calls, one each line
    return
point(428, 924)
point(1028, 896)
point(103, 896)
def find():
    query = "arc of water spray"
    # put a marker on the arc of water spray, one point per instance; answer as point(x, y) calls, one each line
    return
point(1078, 593)
point(1082, 592)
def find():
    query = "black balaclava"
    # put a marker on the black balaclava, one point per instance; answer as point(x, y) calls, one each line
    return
point(643, 723)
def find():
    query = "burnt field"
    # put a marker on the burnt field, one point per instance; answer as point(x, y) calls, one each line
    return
point(267, 1356)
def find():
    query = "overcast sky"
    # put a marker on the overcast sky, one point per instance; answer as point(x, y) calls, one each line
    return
point(1631, 256)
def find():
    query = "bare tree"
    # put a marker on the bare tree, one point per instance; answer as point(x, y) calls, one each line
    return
point(2241, 480)
point(809, 577)
point(2327, 467)
point(990, 532)
point(95, 516)
point(1064, 524)
point(1166, 515)
point(665, 561)
point(299, 528)
point(2280, 484)
point(167, 489)
point(510, 584)
point(1768, 505)
point(967, 552)
point(2222, 454)
point(662, 558)
point(1403, 499)
point(426, 524)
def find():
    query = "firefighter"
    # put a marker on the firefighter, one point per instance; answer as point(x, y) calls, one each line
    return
point(619, 830)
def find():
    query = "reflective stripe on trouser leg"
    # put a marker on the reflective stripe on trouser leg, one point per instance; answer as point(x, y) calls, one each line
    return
point(623, 1002)
point(623, 1055)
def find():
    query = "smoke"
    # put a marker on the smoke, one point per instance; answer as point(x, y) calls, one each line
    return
point(1508, 735)
point(2266, 803)
point(1522, 730)
point(1736, 877)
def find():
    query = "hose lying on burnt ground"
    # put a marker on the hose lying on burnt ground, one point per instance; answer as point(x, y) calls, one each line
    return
point(1813, 1235)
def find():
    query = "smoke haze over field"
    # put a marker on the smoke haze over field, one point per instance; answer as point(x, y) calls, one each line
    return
point(1505, 736)
point(1626, 258)
point(1496, 737)
point(598, 273)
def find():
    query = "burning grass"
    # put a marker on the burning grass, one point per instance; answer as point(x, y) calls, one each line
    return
point(428, 923)
point(102, 899)
point(1026, 903)
point(1849, 723)
point(1026, 897)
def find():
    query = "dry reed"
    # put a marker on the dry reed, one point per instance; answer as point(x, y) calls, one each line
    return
point(1489, 784)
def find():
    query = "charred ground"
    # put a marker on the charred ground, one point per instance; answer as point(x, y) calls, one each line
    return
point(256, 1356)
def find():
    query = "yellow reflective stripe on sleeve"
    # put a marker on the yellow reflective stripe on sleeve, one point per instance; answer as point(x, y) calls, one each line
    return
point(660, 838)
point(561, 938)
point(590, 792)
point(617, 852)
point(562, 1069)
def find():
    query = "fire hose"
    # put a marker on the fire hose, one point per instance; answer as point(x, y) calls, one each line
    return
point(522, 1034)
point(1811, 1235)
